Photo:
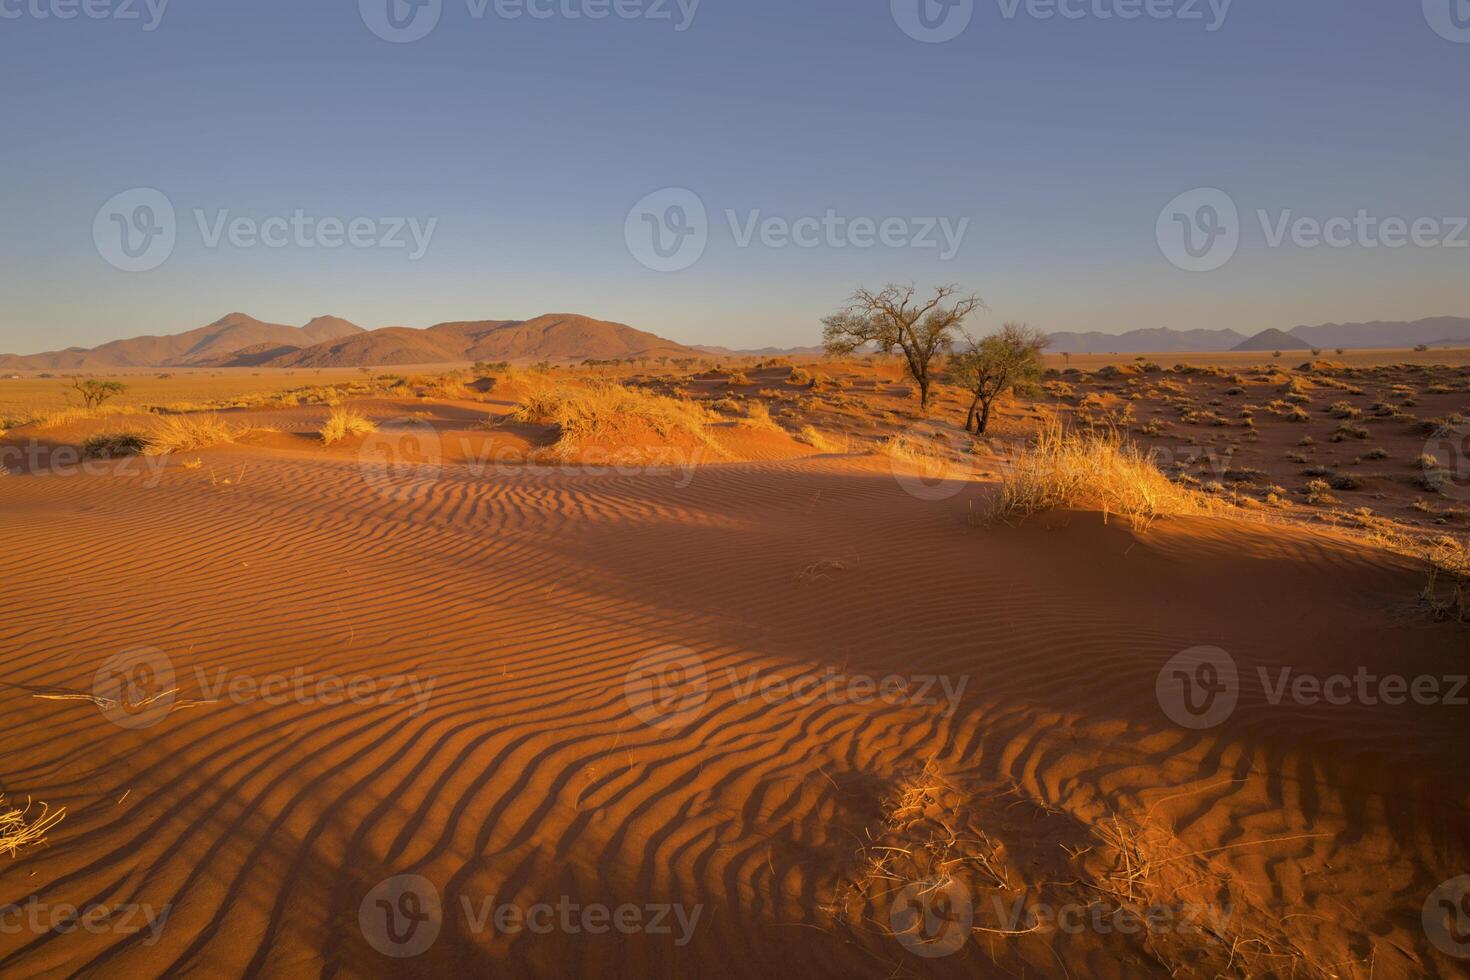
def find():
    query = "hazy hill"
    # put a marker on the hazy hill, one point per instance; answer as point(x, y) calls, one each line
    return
point(1435, 331)
point(1158, 340)
point(1272, 339)
point(1439, 330)
point(222, 337)
point(242, 341)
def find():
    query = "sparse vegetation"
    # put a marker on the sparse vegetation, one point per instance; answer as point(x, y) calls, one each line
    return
point(1009, 360)
point(891, 320)
point(1069, 468)
point(111, 445)
point(94, 392)
point(187, 433)
point(19, 830)
point(607, 410)
point(343, 423)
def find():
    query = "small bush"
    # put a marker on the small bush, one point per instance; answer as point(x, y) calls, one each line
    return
point(344, 422)
point(1067, 468)
point(605, 409)
point(112, 445)
point(185, 433)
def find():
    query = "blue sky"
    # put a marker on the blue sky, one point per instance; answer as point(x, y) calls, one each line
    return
point(527, 141)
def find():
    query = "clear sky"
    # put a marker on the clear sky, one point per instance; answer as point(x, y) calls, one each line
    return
point(530, 139)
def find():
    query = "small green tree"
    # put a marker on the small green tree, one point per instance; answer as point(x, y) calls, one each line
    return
point(1009, 360)
point(95, 392)
point(892, 320)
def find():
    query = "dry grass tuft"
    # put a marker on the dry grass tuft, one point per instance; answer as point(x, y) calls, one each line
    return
point(17, 831)
point(1098, 468)
point(811, 436)
point(112, 445)
point(342, 423)
point(1449, 559)
point(605, 410)
point(186, 433)
point(758, 416)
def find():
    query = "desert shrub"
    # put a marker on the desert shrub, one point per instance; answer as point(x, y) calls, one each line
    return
point(1318, 493)
point(758, 416)
point(799, 376)
point(185, 433)
point(605, 409)
point(809, 436)
point(111, 445)
point(1068, 468)
point(19, 829)
point(342, 423)
point(739, 378)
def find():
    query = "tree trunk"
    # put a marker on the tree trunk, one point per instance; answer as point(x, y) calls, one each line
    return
point(924, 396)
point(970, 416)
point(984, 419)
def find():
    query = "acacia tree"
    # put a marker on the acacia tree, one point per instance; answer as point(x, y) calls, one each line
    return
point(893, 320)
point(1009, 360)
point(95, 392)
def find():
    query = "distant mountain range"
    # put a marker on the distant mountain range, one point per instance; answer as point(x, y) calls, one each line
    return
point(1443, 331)
point(238, 340)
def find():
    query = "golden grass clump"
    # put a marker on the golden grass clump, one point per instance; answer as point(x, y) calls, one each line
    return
point(603, 410)
point(809, 435)
point(344, 422)
point(186, 433)
point(16, 831)
point(1097, 468)
point(758, 416)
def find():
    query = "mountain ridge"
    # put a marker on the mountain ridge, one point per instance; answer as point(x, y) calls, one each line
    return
point(239, 340)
